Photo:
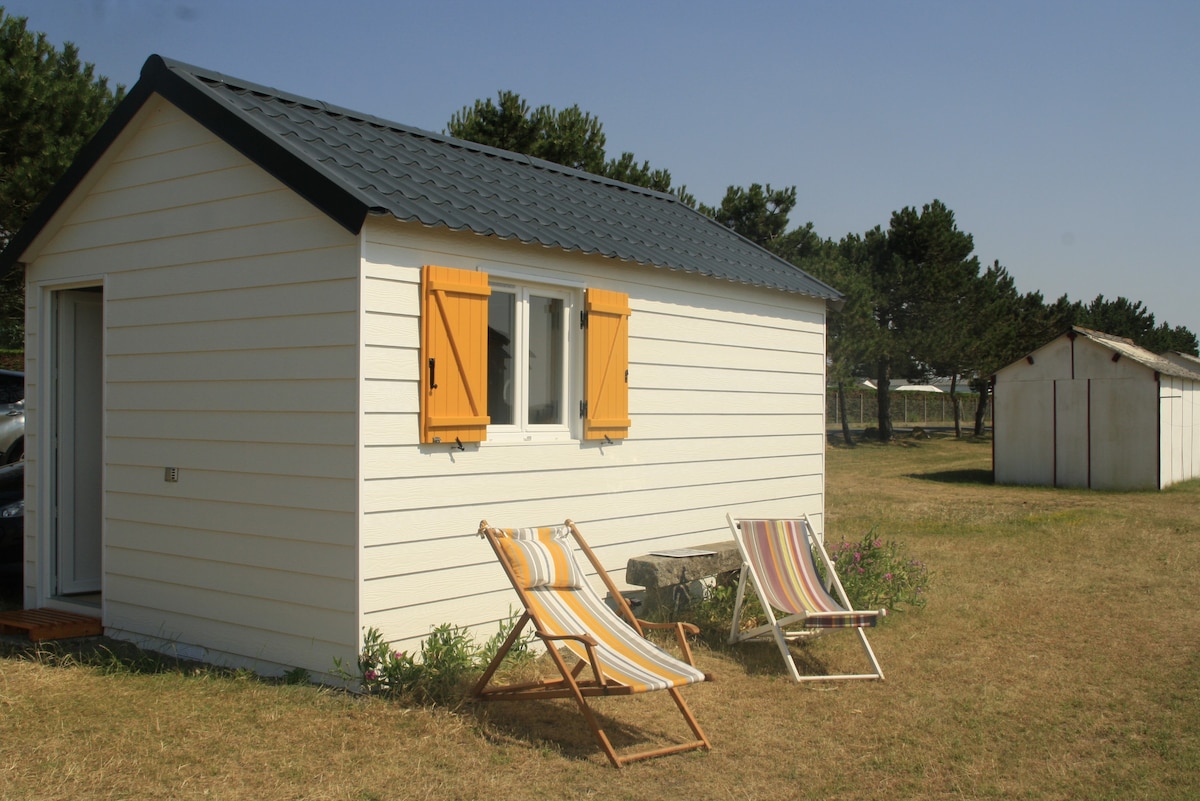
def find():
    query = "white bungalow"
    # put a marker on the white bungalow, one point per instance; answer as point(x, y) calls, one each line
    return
point(291, 355)
point(1093, 410)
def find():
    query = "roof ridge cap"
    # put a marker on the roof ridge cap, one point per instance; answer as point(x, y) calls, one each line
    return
point(159, 62)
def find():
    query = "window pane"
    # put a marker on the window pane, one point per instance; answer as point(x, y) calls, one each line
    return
point(545, 360)
point(502, 307)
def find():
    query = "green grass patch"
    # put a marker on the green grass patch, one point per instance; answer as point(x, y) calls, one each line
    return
point(1055, 659)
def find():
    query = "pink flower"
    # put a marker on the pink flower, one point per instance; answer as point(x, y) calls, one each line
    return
point(887, 576)
point(370, 675)
point(877, 544)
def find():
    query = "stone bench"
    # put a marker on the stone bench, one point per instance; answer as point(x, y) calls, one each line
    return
point(673, 581)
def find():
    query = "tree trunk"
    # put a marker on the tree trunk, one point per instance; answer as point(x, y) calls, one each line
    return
point(883, 398)
point(841, 391)
point(985, 389)
point(955, 406)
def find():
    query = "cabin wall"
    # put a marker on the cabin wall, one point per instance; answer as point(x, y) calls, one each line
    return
point(1073, 416)
point(726, 402)
point(1023, 431)
point(1179, 433)
point(230, 353)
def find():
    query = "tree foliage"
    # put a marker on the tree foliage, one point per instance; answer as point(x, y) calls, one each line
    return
point(1130, 319)
point(920, 273)
point(916, 302)
point(52, 104)
point(758, 213)
point(571, 137)
point(852, 333)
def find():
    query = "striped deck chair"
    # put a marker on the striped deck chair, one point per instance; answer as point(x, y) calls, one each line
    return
point(779, 559)
point(611, 655)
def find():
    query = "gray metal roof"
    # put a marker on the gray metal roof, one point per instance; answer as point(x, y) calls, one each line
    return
point(1146, 358)
point(351, 165)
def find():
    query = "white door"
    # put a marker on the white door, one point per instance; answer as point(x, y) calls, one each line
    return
point(78, 426)
point(1072, 433)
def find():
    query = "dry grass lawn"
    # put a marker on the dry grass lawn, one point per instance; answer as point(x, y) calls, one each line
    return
point(1058, 658)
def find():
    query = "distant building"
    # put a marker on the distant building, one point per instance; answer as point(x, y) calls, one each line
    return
point(1093, 410)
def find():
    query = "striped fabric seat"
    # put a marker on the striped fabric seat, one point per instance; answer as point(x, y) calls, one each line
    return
point(625, 656)
point(780, 552)
point(613, 656)
point(541, 557)
point(779, 561)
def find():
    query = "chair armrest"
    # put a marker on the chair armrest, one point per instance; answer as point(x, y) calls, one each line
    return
point(689, 628)
point(586, 639)
point(682, 630)
point(589, 644)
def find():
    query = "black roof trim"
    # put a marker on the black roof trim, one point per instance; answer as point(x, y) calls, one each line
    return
point(170, 79)
point(178, 83)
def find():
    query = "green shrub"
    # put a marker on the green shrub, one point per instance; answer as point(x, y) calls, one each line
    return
point(448, 657)
point(877, 574)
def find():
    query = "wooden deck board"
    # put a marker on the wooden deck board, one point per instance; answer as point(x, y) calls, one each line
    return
point(49, 624)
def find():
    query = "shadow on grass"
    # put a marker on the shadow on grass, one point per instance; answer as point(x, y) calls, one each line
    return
point(109, 656)
point(971, 476)
point(557, 726)
point(102, 653)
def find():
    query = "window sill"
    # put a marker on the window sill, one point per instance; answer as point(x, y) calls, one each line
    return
point(529, 438)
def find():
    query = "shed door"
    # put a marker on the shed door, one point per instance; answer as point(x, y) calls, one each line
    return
point(1072, 433)
point(78, 423)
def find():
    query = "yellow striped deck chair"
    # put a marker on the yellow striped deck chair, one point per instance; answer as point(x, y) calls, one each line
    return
point(612, 657)
point(779, 561)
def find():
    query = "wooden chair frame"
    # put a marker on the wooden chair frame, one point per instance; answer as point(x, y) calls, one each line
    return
point(808, 621)
point(586, 678)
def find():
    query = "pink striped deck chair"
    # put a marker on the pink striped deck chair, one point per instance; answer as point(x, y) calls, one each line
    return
point(612, 657)
point(779, 559)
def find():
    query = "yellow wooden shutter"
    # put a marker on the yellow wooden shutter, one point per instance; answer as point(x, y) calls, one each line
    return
point(454, 319)
point(606, 376)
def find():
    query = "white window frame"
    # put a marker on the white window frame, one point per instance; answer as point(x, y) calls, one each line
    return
point(572, 373)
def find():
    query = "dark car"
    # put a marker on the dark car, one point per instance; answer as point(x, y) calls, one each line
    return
point(12, 517)
point(12, 416)
point(12, 386)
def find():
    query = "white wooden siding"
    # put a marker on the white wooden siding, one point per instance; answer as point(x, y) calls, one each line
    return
point(1124, 431)
point(272, 358)
point(1179, 431)
point(231, 341)
point(1023, 440)
point(727, 403)
point(1075, 417)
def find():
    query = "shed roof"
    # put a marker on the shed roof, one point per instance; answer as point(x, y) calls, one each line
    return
point(351, 165)
point(1127, 348)
point(1184, 360)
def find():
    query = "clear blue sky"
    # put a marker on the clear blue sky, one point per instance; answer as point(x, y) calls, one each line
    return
point(1064, 135)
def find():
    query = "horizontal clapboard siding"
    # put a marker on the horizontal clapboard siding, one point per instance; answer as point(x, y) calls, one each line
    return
point(727, 402)
point(231, 341)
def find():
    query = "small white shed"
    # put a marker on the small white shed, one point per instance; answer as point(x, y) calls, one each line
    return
point(290, 355)
point(1093, 410)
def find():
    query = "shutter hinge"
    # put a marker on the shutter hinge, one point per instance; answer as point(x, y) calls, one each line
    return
point(583, 318)
point(583, 409)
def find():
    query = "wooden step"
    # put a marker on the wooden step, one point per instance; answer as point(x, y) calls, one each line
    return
point(49, 624)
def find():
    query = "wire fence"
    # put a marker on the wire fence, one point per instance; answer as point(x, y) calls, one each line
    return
point(908, 408)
